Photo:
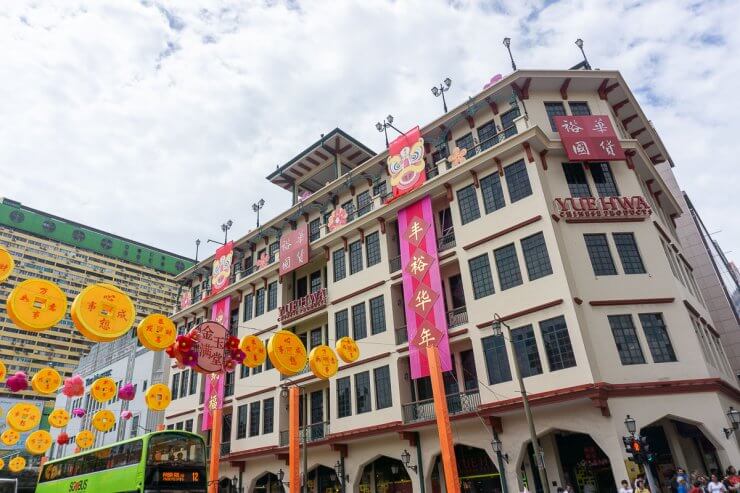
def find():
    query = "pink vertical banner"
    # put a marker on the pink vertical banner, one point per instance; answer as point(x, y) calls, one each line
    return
point(422, 285)
point(214, 382)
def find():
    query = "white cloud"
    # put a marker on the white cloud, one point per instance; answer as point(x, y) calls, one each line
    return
point(159, 120)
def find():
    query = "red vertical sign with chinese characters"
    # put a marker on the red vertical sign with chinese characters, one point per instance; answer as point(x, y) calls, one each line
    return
point(294, 249)
point(426, 319)
point(211, 346)
point(589, 138)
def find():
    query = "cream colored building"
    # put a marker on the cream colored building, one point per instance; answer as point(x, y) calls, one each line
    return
point(602, 324)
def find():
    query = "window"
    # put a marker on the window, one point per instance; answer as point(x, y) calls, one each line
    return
point(355, 257)
point(349, 206)
point(243, 371)
point(189, 425)
point(364, 203)
point(497, 363)
point(254, 419)
point(576, 178)
point(486, 134)
point(193, 382)
point(507, 121)
point(344, 397)
point(470, 374)
point(362, 392)
point(377, 315)
point(525, 347)
point(372, 248)
point(557, 343)
point(600, 255)
point(272, 296)
point(315, 281)
point(274, 249)
point(383, 394)
point(268, 407)
point(338, 261)
point(625, 337)
point(183, 383)
point(493, 195)
point(174, 389)
point(359, 325)
point(671, 260)
point(134, 426)
point(467, 201)
point(507, 265)
point(518, 181)
point(259, 302)
point(553, 110)
point(579, 108)
point(657, 337)
point(341, 324)
point(466, 142)
point(480, 276)
point(379, 189)
point(229, 384)
point(628, 253)
point(314, 229)
point(603, 179)
point(535, 256)
point(241, 421)
point(178, 426)
point(315, 338)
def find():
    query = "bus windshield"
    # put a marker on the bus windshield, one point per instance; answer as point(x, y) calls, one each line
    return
point(173, 448)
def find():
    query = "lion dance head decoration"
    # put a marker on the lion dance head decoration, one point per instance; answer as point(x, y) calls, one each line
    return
point(406, 163)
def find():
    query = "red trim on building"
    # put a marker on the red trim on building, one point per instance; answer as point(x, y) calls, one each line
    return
point(356, 293)
point(521, 313)
point(634, 301)
point(252, 394)
point(564, 88)
point(504, 231)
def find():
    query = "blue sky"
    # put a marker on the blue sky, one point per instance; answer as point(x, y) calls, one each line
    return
point(159, 120)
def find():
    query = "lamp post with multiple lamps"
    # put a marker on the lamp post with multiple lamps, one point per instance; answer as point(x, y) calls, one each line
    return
point(497, 447)
point(441, 90)
point(631, 425)
point(507, 43)
point(579, 44)
point(197, 246)
point(388, 122)
point(225, 227)
point(539, 454)
point(256, 208)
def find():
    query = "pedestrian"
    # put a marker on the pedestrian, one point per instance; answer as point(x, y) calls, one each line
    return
point(696, 488)
point(641, 487)
point(683, 485)
point(715, 485)
point(569, 488)
point(732, 480)
point(625, 487)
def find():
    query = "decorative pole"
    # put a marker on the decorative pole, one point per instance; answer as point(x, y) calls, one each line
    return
point(293, 446)
point(449, 461)
point(215, 435)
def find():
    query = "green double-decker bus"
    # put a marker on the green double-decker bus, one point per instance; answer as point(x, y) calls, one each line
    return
point(164, 461)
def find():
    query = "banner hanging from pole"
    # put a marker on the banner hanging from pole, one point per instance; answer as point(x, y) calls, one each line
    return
point(214, 382)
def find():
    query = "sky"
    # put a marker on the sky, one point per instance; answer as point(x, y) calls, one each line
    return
point(159, 120)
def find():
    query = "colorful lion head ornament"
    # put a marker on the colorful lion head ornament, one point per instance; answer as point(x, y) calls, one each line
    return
point(222, 267)
point(406, 163)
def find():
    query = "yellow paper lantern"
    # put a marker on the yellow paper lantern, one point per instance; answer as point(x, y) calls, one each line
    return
point(102, 312)
point(10, 437)
point(17, 464)
point(3, 371)
point(287, 353)
point(158, 397)
point(103, 389)
point(85, 439)
point(23, 417)
point(347, 349)
point(6, 264)
point(104, 420)
point(156, 332)
point(254, 350)
point(38, 442)
point(323, 362)
point(59, 418)
point(46, 381)
point(36, 305)
point(2, 464)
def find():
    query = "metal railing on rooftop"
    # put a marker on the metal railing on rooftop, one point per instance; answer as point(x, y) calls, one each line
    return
point(463, 402)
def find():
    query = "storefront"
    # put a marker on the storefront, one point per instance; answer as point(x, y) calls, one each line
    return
point(385, 475)
point(475, 469)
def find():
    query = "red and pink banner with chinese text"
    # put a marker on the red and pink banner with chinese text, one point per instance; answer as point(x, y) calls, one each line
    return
point(426, 319)
point(589, 138)
point(294, 249)
point(214, 382)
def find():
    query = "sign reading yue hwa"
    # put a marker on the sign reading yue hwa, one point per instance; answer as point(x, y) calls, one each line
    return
point(302, 306)
point(584, 209)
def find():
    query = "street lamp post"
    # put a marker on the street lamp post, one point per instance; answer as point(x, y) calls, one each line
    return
point(388, 122)
point(734, 416)
point(538, 452)
point(507, 43)
point(197, 246)
point(631, 425)
point(256, 208)
point(441, 90)
point(579, 44)
point(225, 227)
point(501, 458)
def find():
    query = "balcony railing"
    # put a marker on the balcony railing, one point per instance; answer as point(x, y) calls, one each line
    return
point(395, 264)
point(464, 402)
point(447, 241)
point(225, 448)
point(457, 317)
point(314, 431)
point(306, 369)
point(401, 335)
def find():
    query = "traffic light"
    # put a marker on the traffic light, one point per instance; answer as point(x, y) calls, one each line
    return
point(636, 448)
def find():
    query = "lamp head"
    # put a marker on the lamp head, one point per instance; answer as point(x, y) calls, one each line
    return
point(507, 42)
point(379, 126)
point(389, 118)
point(734, 416)
point(197, 242)
point(435, 90)
point(579, 43)
point(496, 444)
point(262, 202)
point(280, 475)
point(448, 82)
point(630, 424)
point(406, 457)
point(229, 223)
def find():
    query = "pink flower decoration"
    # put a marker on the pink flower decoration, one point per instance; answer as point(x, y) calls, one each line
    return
point(262, 261)
point(337, 218)
point(493, 80)
point(78, 412)
point(74, 386)
point(457, 156)
point(127, 392)
point(18, 382)
point(126, 414)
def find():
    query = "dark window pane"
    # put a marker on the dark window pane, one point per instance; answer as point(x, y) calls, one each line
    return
point(576, 178)
point(380, 189)
point(268, 411)
point(579, 108)
point(657, 337)
point(525, 347)
point(274, 248)
point(272, 295)
point(248, 307)
point(507, 265)
point(557, 343)
point(518, 181)
point(628, 253)
point(466, 142)
point(467, 201)
point(338, 261)
point(254, 419)
point(364, 203)
point(493, 195)
point(355, 257)
point(497, 363)
point(625, 337)
point(344, 397)
point(349, 206)
point(383, 394)
point(315, 339)
point(600, 255)
point(487, 135)
point(315, 281)
point(456, 290)
point(480, 276)
point(259, 302)
point(603, 179)
point(362, 392)
point(175, 387)
point(359, 325)
point(314, 229)
point(535, 256)
point(554, 109)
point(470, 373)
point(377, 315)
point(341, 324)
point(507, 122)
point(241, 426)
point(372, 248)
point(184, 383)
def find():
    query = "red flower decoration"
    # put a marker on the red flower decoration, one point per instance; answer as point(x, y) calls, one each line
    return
point(232, 343)
point(184, 343)
point(62, 439)
point(229, 365)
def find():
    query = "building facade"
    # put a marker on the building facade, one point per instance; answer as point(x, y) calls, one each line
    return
point(74, 256)
point(605, 315)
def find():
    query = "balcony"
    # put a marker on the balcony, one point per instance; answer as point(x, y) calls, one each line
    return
point(395, 264)
point(306, 369)
point(464, 402)
point(401, 335)
point(457, 317)
point(312, 433)
point(447, 241)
